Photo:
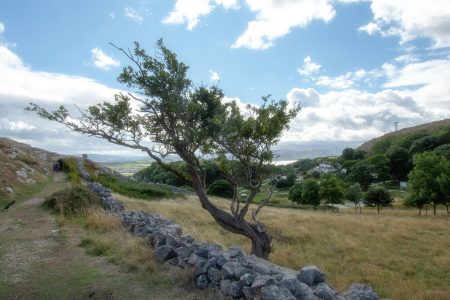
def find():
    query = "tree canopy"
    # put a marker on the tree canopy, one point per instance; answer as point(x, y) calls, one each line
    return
point(177, 117)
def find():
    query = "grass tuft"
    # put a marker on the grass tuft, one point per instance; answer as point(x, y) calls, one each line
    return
point(74, 201)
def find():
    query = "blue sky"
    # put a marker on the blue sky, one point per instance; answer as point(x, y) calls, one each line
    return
point(355, 66)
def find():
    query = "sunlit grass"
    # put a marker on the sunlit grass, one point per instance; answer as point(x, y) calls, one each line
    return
point(402, 255)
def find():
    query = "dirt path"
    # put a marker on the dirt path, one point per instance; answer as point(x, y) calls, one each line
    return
point(39, 260)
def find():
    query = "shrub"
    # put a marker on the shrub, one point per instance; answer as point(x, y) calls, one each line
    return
point(74, 201)
point(221, 188)
point(295, 193)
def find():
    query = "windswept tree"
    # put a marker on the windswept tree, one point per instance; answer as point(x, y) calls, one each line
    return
point(178, 117)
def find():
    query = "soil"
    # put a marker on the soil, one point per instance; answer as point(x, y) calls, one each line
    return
point(39, 260)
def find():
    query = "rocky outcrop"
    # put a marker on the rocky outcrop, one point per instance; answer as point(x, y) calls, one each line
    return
point(231, 273)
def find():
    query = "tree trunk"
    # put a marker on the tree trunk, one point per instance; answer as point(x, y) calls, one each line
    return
point(355, 207)
point(260, 238)
point(360, 210)
point(420, 210)
point(426, 209)
point(434, 208)
point(378, 209)
point(446, 205)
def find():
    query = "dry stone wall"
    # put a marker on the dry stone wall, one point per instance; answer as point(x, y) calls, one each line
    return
point(231, 273)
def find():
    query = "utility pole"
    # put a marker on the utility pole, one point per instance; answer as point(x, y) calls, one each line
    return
point(395, 124)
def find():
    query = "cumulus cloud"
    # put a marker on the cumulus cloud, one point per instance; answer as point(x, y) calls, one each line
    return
point(189, 12)
point(19, 85)
point(275, 19)
point(133, 14)
point(214, 76)
point(102, 60)
point(349, 79)
point(351, 115)
point(309, 67)
point(410, 19)
point(2, 27)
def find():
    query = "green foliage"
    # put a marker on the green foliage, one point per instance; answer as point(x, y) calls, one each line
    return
point(354, 193)
point(362, 174)
point(379, 165)
point(331, 189)
point(427, 143)
point(310, 193)
point(221, 188)
point(295, 193)
point(399, 162)
point(71, 168)
point(378, 196)
point(74, 201)
point(429, 181)
point(156, 173)
point(304, 165)
point(133, 189)
point(443, 150)
point(287, 182)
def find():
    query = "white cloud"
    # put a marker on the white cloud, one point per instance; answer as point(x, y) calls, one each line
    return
point(275, 19)
point(349, 79)
point(102, 60)
point(351, 115)
point(19, 85)
point(112, 15)
point(214, 76)
point(2, 27)
point(309, 67)
point(228, 4)
point(410, 19)
point(133, 14)
point(189, 12)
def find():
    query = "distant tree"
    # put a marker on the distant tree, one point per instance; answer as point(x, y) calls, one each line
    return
point(331, 190)
point(286, 182)
point(348, 154)
point(377, 196)
point(427, 143)
point(359, 154)
point(400, 164)
point(354, 194)
point(304, 165)
point(310, 193)
point(443, 150)
point(362, 174)
point(379, 165)
point(191, 121)
point(416, 200)
point(429, 181)
point(295, 193)
point(221, 188)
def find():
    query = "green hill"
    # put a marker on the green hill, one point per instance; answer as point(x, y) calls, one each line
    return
point(408, 136)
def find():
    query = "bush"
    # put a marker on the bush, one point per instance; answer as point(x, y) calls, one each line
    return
point(74, 201)
point(295, 193)
point(221, 188)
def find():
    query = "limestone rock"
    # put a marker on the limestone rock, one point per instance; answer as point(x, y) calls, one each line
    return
point(311, 275)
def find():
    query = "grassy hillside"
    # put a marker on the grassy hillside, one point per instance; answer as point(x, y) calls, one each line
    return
point(401, 255)
point(23, 169)
point(404, 137)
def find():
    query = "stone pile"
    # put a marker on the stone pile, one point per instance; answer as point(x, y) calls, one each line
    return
point(232, 273)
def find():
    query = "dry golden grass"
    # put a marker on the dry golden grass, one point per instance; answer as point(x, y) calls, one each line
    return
point(402, 255)
point(105, 236)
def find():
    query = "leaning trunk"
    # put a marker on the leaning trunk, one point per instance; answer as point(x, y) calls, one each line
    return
point(258, 235)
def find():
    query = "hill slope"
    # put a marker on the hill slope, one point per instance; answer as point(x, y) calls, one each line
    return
point(22, 167)
point(410, 133)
